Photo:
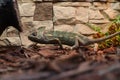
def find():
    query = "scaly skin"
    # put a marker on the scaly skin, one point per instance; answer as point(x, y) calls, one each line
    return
point(66, 38)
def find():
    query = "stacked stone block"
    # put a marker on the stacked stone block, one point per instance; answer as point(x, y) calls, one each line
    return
point(68, 15)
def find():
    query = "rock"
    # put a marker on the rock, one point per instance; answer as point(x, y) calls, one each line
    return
point(73, 4)
point(27, 9)
point(37, 0)
point(64, 21)
point(27, 0)
point(27, 26)
point(25, 41)
point(10, 41)
point(111, 0)
point(48, 0)
point(80, 4)
point(63, 12)
point(64, 27)
point(95, 15)
point(99, 21)
point(48, 24)
point(101, 6)
point(43, 11)
point(115, 6)
point(83, 29)
point(26, 19)
point(10, 32)
point(82, 14)
point(111, 13)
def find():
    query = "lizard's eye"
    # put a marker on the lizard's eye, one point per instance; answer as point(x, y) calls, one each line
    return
point(34, 33)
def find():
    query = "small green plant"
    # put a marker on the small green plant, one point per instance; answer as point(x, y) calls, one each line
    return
point(113, 27)
point(117, 20)
point(94, 27)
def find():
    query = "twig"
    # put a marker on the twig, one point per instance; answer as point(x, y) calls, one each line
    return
point(33, 51)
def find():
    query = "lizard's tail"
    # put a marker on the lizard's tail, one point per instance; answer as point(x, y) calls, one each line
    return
point(86, 41)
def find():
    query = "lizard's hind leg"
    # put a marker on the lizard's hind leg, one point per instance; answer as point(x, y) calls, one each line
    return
point(80, 42)
point(77, 44)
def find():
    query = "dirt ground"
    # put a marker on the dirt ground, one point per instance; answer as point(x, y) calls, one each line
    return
point(50, 63)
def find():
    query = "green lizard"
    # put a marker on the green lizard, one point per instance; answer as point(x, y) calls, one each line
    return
point(67, 38)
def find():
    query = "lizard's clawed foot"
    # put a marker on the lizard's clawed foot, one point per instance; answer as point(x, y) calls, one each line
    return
point(74, 47)
point(61, 46)
point(34, 45)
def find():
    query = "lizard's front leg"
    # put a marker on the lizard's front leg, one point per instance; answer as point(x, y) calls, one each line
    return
point(54, 41)
point(77, 43)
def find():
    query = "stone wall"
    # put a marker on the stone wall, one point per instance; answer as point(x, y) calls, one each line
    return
point(63, 15)
point(67, 15)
